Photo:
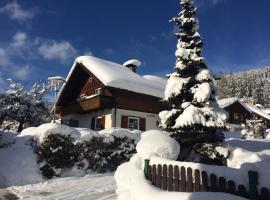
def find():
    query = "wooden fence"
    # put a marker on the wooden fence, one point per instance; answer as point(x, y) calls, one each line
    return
point(173, 178)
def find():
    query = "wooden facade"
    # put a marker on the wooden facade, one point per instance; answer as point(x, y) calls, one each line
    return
point(237, 113)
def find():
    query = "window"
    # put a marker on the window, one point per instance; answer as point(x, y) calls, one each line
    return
point(90, 80)
point(98, 123)
point(133, 123)
point(98, 91)
point(74, 123)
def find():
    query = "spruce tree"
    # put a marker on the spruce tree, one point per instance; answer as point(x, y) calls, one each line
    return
point(193, 117)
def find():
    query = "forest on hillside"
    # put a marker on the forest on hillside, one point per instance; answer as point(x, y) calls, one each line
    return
point(252, 83)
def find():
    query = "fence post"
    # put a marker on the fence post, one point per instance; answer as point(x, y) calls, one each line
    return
point(253, 183)
point(146, 167)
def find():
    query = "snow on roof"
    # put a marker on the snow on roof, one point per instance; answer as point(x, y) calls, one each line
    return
point(223, 103)
point(133, 62)
point(266, 110)
point(117, 76)
point(258, 111)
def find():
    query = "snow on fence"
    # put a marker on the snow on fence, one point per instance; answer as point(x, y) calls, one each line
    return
point(182, 179)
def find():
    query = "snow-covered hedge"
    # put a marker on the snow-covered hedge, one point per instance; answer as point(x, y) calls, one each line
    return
point(61, 148)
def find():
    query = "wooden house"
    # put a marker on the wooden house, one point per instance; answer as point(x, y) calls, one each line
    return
point(100, 94)
point(238, 112)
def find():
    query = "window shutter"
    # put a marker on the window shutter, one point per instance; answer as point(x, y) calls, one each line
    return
point(124, 121)
point(93, 123)
point(142, 124)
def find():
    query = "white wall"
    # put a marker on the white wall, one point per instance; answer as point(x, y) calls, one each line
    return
point(85, 119)
point(150, 118)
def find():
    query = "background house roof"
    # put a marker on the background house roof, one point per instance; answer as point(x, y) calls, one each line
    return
point(258, 111)
point(223, 103)
point(117, 76)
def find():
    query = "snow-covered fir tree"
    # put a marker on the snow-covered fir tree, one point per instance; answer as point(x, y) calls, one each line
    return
point(20, 107)
point(193, 117)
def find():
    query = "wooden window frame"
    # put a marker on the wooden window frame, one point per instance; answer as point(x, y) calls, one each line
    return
point(98, 91)
point(136, 118)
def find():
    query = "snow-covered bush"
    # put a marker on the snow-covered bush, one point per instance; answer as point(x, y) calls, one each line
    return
point(253, 129)
point(55, 153)
point(61, 148)
point(102, 155)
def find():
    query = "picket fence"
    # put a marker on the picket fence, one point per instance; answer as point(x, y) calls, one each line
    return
point(180, 179)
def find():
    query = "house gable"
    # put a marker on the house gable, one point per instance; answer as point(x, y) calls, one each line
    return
point(78, 84)
point(237, 113)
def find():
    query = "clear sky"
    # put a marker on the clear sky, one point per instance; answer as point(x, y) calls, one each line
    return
point(42, 38)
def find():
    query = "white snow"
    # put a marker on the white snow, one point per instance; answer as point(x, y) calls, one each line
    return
point(202, 93)
point(194, 115)
point(223, 103)
point(135, 62)
point(182, 53)
point(117, 76)
point(204, 75)
point(157, 143)
point(174, 86)
point(90, 187)
point(18, 164)
point(41, 132)
point(120, 133)
point(164, 115)
point(157, 79)
point(258, 111)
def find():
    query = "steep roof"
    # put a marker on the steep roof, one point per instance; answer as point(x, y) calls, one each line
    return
point(117, 76)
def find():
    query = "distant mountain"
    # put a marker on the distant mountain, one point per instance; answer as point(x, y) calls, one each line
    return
point(252, 83)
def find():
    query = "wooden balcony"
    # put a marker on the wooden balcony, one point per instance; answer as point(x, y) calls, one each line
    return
point(88, 105)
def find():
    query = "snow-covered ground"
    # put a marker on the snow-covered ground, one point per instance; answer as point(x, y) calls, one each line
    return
point(91, 187)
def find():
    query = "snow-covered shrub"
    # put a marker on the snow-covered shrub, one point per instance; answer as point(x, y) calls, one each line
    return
point(62, 149)
point(102, 155)
point(55, 153)
point(253, 129)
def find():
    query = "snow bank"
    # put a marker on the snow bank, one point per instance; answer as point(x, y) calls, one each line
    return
point(250, 154)
point(157, 143)
point(18, 164)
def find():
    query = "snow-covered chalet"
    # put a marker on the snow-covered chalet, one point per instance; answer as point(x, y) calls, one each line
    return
point(99, 94)
point(240, 112)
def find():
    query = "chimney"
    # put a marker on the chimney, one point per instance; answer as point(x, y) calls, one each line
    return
point(132, 65)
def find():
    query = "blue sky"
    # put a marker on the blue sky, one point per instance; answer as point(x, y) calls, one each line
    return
point(42, 38)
